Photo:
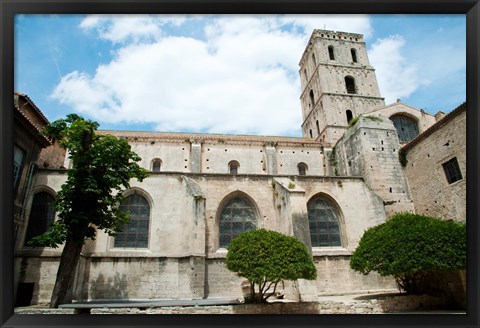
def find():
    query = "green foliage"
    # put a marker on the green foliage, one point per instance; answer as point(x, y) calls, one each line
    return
point(409, 246)
point(402, 157)
point(267, 257)
point(353, 121)
point(102, 168)
point(291, 185)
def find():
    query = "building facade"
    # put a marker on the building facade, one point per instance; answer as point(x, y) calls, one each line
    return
point(325, 188)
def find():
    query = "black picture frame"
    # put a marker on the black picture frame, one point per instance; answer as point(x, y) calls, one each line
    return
point(9, 8)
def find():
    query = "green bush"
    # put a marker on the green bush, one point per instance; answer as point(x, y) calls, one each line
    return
point(409, 247)
point(267, 257)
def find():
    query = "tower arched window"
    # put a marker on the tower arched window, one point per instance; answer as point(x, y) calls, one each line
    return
point(135, 233)
point(323, 220)
point(237, 216)
point(350, 84)
point(42, 214)
point(314, 60)
point(354, 55)
point(349, 115)
point(318, 127)
point(302, 169)
point(407, 128)
point(312, 98)
point(233, 167)
point(311, 134)
point(331, 53)
point(156, 165)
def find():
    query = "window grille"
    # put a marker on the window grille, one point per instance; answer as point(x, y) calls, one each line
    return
point(237, 216)
point(302, 169)
point(156, 165)
point(323, 223)
point(452, 170)
point(18, 156)
point(407, 128)
point(135, 233)
point(42, 214)
point(233, 167)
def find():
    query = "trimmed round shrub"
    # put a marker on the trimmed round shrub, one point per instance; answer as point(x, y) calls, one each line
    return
point(409, 247)
point(265, 258)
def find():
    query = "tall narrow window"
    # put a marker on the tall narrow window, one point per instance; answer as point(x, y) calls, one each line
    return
point(350, 84)
point(233, 167)
point(311, 134)
point(18, 156)
point(331, 53)
point(323, 222)
point(305, 73)
point(354, 55)
point(314, 60)
point(452, 170)
point(156, 165)
point(349, 115)
point(135, 233)
point(302, 169)
point(237, 216)
point(41, 216)
point(318, 127)
point(312, 98)
point(407, 128)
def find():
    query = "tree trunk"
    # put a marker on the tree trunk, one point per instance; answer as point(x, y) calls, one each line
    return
point(66, 273)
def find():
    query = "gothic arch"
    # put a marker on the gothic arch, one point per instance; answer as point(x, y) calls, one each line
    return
point(326, 223)
point(236, 213)
point(156, 165)
point(406, 126)
point(139, 204)
point(40, 208)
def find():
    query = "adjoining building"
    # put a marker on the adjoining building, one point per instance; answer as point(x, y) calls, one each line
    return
point(326, 188)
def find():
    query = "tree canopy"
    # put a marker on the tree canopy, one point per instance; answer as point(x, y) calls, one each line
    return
point(408, 246)
point(267, 257)
point(89, 200)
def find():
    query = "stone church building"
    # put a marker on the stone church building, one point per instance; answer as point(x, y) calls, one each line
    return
point(343, 176)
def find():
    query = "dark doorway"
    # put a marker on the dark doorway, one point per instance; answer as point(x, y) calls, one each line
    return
point(24, 294)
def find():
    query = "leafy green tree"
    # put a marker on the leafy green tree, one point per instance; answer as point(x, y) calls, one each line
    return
point(267, 257)
point(89, 200)
point(409, 247)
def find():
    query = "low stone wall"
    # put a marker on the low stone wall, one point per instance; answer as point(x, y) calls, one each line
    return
point(360, 305)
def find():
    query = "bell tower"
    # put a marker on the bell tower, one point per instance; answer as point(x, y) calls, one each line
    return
point(337, 83)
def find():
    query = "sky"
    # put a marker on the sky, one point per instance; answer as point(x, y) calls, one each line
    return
point(235, 74)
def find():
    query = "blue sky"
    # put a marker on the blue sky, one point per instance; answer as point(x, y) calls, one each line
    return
point(222, 74)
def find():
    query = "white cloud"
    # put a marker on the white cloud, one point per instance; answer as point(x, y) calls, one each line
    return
point(242, 78)
point(396, 76)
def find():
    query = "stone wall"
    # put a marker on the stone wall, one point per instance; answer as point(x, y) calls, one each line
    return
point(369, 149)
point(335, 277)
point(431, 192)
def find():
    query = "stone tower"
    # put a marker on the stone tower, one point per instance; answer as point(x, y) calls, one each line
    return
point(337, 84)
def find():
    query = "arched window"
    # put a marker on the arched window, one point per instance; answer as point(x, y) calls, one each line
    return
point(156, 165)
point(135, 233)
point(233, 167)
point(305, 73)
point(407, 128)
point(323, 222)
point(318, 127)
point(311, 134)
point(350, 84)
point(237, 216)
point(41, 216)
point(312, 98)
point(354, 55)
point(314, 60)
point(331, 53)
point(302, 169)
point(349, 115)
